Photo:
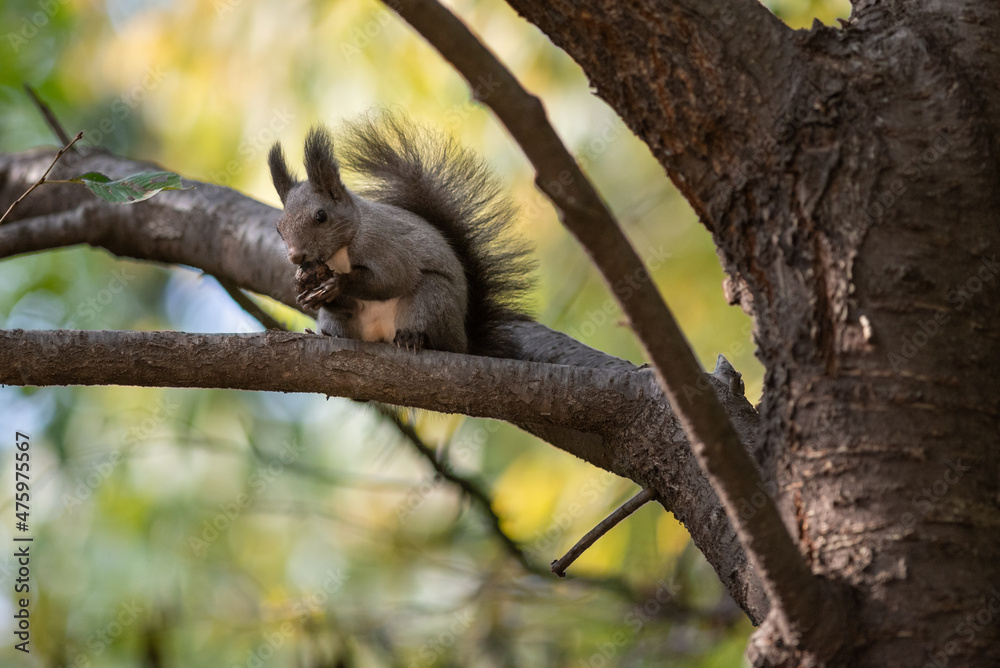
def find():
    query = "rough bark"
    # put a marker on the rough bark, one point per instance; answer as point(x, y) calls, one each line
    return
point(849, 178)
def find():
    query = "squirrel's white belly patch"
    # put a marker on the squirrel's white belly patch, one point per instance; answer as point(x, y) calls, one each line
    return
point(377, 320)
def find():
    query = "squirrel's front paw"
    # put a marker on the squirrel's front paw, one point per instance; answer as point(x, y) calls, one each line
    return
point(317, 284)
point(410, 339)
point(323, 294)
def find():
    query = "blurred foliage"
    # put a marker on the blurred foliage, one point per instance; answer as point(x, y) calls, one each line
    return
point(197, 528)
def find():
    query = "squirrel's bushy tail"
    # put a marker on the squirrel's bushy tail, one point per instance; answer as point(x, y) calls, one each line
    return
point(454, 190)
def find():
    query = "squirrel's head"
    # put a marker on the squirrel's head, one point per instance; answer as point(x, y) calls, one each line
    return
point(319, 217)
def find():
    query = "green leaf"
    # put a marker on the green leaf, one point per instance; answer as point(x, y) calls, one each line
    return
point(91, 176)
point(135, 188)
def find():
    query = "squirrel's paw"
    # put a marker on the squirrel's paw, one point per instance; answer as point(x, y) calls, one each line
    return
point(410, 339)
point(324, 293)
point(317, 284)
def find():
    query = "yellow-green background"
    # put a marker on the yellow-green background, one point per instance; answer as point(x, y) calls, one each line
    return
point(322, 560)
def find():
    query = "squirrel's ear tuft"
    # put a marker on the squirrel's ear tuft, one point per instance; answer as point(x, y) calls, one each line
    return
point(280, 176)
point(321, 165)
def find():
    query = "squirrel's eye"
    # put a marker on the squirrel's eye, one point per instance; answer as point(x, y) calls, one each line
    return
point(321, 216)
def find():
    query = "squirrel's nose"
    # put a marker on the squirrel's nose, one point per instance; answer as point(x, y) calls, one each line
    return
point(296, 257)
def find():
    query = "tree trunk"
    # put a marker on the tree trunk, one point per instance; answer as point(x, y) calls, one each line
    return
point(849, 179)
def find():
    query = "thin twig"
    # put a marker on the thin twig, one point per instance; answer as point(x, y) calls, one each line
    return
point(41, 180)
point(50, 118)
point(797, 597)
point(473, 490)
point(249, 305)
point(481, 499)
point(644, 496)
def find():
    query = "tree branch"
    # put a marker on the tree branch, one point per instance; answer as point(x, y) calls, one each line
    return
point(480, 498)
point(249, 305)
point(50, 118)
point(797, 597)
point(41, 179)
point(510, 390)
point(644, 496)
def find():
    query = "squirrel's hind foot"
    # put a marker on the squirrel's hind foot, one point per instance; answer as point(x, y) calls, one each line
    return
point(410, 340)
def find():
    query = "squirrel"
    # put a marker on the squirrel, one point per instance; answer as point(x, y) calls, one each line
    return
point(422, 255)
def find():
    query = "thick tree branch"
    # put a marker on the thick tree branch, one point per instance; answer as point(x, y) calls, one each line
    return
point(510, 390)
point(797, 597)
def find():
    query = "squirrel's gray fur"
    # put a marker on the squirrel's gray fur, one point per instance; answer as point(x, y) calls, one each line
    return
point(424, 244)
